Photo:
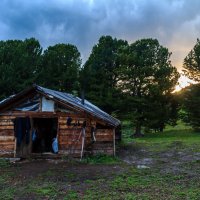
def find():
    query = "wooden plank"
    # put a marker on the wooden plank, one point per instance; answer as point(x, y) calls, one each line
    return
point(104, 135)
point(6, 147)
point(93, 123)
point(64, 127)
point(15, 114)
point(70, 143)
point(73, 125)
point(5, 142)
point(69, 139)
point(104, 131)
point(69, 147)
point(7, 138)
point(104, 139)
point(6, 123)
point(6, 132)
point(7, 117)
point(61, 134)
point(6, 127)
point(74, 121)
point(6, 154)
point(7, 120)
point(70, 131)
point(63, 116)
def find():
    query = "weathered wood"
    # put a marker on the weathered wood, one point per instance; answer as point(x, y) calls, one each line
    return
point(6, 154)
point(6, 132)
point(7, 127)
point(104, 136)
point(72, 136)
point(7, 117)
point(69, 130)
point(15, 148)
point(7, 142)
point(63, 116)
point(93, 123)
point(35, 114)
point(7, 123)
point(104, 139)
point(77, 133)
point(67, 135)
point(65, 127)
point(69, 147)
point(6, 147)
point(70, 142)
point(74, 121)
point(7, 138)
point(104, 131)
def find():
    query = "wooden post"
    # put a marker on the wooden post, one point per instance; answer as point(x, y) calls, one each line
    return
point(114, 148)
point(83, 142)
point(58, 132)
point(15, 148)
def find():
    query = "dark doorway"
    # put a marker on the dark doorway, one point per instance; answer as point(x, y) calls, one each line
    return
point(44, 130)
point(22, 130)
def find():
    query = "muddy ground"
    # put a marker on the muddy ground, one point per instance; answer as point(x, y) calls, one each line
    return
point(67, 179)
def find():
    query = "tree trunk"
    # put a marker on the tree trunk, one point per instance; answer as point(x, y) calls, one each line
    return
point(138, 131)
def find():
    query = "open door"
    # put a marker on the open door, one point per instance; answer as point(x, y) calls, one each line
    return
point(22, 130)
point(44, 132)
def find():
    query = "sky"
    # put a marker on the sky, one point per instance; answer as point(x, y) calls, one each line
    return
point(175, 23)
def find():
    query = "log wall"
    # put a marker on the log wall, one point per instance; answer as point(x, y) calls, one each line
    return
point(104, 142)
point(69, 137)
point(7, 138)
point(70, 141)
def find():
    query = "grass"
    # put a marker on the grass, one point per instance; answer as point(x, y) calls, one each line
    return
point(168, 178)
point(180, 133)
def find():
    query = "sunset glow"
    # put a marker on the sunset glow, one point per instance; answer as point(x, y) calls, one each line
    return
point(183, 82)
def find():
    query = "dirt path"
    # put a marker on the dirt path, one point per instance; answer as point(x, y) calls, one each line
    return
point(175, 159)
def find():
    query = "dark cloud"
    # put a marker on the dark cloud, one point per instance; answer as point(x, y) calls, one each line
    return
point(175, 23)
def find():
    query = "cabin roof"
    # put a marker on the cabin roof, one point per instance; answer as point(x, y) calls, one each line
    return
point(66, 99)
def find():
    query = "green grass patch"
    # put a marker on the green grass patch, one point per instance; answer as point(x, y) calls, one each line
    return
point(180, 136)
point(73, 195)
point(4, 163)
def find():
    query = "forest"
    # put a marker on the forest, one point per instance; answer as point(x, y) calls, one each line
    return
point(132, 82)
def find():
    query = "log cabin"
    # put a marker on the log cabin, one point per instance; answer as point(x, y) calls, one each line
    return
point(41, 121)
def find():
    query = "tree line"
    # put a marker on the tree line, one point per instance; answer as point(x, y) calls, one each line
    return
point(132, 81)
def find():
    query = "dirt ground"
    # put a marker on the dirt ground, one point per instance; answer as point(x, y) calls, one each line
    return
point(64, 179)
point(174, 159)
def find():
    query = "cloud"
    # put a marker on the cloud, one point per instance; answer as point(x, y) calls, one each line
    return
point(175, 23)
